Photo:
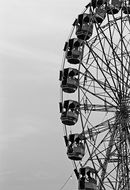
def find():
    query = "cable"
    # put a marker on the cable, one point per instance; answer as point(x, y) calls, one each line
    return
point(66, 182)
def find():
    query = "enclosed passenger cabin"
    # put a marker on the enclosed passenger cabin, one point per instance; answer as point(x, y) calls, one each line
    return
point(126, 7)
point(74, 51)
point(69, 78)
point(87, 179)
point(100, 14)
point(84, 26)
point(113, 6)
point(75, 148)
point(69, 112)
point(97, 3)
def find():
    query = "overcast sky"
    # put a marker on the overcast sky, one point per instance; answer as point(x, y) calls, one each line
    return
point(32, 150)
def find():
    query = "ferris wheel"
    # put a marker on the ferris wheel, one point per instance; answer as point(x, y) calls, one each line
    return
point(95, 96)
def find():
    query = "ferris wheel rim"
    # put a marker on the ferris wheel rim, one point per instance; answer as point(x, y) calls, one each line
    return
point(114, 103)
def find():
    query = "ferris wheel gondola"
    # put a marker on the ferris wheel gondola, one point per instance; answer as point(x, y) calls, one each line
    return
point(95, 96)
